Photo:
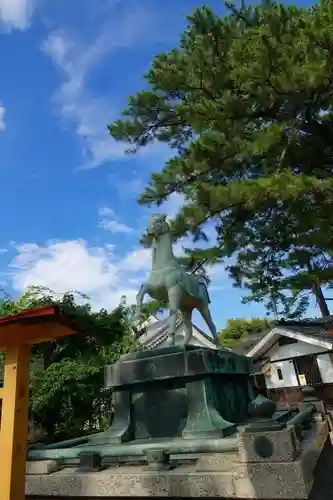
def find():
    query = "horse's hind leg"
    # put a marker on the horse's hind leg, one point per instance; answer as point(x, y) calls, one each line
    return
point(205, 313)
point(140, 296)
point(188, 327)
point(174, 296)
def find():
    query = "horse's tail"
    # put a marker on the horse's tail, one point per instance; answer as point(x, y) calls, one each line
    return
point(204, 295)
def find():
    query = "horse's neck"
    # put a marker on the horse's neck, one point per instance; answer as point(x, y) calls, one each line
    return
point(163, 252)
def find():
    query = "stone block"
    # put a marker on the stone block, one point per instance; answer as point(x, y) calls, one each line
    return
point(42, 467)
point(273, 446)
point(284, 480)
point(222, 462)
point(214, 475)
point(132, 482)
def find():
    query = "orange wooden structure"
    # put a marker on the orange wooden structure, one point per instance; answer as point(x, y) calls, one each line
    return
point(17, 334)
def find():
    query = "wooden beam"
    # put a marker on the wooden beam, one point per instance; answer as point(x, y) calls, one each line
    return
point(11, 335)
point(14, 423)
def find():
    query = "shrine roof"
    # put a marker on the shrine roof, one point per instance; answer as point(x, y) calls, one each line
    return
point(36, 315)
point(35, 325)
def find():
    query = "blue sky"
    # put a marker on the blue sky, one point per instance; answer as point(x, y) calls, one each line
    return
point(68, 201)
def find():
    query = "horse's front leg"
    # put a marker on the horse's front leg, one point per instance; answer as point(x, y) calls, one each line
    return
point(174, 296)
point(139, 298)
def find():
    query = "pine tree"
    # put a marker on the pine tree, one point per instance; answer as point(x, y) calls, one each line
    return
point(245, 103)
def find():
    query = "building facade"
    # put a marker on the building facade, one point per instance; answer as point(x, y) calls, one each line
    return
point(292, 355)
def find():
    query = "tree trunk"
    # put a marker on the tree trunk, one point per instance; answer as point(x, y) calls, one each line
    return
point(321, 301)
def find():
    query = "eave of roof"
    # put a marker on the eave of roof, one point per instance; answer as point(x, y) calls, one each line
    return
point(36, 315)
point(321, 338)
point(35, 325)
point(156, 329)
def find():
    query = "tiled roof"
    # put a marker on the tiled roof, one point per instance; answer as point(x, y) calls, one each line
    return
point(153, 330)
point(316, 328)
point(207, 337)
point(317, 332)
point(313, 327)
point(157, 331)
point(326, 321)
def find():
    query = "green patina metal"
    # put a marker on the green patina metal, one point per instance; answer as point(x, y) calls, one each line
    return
point(172, 392)
point(168, 397)
point(176, 446)
point(262, 410)
point(169, 282)
point(175, 400)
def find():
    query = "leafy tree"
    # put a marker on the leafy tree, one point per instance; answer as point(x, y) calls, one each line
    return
point(245, 103)
point(238, 330)
point(67, 375)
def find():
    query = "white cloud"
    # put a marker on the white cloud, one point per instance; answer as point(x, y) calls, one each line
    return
point(88, 114)
point(76, 59)
point(74, 266)
point(137, 259)
point(219, 279)
point(2, 118)
point(16, 14)
point(128, 188)
point(106, 212)
point(115, 227)
point(97, 272)
point(172, 206)
point(110, 222)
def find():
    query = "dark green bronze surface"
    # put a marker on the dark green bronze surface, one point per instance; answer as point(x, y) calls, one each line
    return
point(173, 362)
point(195, 394)
point(263, 410)
point(176, 392)
point(139, 448)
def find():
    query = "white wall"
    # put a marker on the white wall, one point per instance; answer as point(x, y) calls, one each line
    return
point(288, 374)
point(293, 350)
point(325, 364)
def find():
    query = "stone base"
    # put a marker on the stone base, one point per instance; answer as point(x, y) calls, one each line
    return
point(41, 467)
point(215, 475)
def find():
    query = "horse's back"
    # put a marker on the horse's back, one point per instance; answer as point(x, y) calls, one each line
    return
point(197, 288)
point(160, 281)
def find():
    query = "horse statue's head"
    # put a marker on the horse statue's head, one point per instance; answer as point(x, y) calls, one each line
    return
point(158, 225)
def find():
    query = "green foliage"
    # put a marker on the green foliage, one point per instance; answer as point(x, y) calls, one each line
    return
point(67, 375)
point(245, 102)
point(239, 330)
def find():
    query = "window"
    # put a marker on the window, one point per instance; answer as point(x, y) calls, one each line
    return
point(279, 374)
point(307, 367)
